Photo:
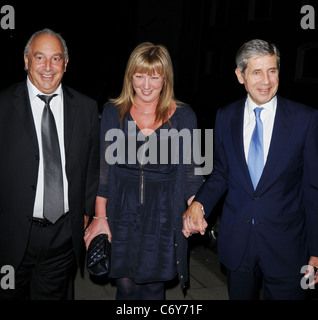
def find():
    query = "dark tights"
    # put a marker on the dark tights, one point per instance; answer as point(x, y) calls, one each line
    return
point(129, 290)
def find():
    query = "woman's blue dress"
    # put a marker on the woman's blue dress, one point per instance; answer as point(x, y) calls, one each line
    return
point(143, 219)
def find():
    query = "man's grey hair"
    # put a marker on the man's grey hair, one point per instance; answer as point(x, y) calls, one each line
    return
point(254, 48)
point(46, 32)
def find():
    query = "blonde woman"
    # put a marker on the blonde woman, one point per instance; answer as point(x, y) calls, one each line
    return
point(145, 180)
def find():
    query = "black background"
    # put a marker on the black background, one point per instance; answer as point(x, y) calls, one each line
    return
point(202, 37)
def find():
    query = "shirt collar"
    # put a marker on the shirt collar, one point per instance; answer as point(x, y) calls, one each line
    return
point(34, 91)
point(269, 106)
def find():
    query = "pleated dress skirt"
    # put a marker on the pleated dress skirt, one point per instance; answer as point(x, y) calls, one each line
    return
point(143, 244)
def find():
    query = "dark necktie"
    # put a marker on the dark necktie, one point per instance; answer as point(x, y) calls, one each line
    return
point(53, 204)
point(256, 151)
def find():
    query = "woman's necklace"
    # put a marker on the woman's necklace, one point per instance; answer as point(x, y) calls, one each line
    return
point(144, 119)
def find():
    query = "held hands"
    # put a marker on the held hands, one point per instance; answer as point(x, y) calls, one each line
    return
point(193, 220)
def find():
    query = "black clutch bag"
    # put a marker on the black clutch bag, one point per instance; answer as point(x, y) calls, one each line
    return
point(98, 255)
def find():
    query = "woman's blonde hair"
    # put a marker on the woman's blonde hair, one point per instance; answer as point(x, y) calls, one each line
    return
point(148, 58)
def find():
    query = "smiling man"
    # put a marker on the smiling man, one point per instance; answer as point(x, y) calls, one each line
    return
point(265, 160)
point(49, 139)
point(260, 78)
point(46, 59)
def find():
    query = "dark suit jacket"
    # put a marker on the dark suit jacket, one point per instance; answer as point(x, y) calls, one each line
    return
point(285, 203)
point(19, 163)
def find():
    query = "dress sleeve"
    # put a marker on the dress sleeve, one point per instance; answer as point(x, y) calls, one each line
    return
point(193, 172)
point(108, 122)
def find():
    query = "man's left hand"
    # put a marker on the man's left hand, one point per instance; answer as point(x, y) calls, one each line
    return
point(312, 267)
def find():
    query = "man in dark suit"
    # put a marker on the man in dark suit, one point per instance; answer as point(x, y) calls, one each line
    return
point(41, 243)
point(266, 159)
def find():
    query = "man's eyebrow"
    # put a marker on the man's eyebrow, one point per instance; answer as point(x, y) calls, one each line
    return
point(41, 53)
point(260, 69)
point(37, 53)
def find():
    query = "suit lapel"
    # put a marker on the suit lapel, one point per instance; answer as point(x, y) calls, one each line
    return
point(238, 144)
point(69, 116)
point(21, 102)
point(281, 131)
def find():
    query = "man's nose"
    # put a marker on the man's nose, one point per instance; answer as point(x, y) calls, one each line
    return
point(47, 65)
point(266, 79)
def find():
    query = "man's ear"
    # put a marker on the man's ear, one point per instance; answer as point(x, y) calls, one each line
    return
point(65, 65)
point(26, 62)
point(239, 76)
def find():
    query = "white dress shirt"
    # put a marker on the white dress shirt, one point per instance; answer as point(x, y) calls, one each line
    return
point(57, 107)
point(267, 116)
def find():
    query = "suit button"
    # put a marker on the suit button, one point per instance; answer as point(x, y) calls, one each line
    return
point(36, 157)
point(256, 198)
point(33, 187)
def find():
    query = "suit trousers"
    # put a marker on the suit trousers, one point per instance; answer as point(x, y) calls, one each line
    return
point(48, 268)
point(246, 282)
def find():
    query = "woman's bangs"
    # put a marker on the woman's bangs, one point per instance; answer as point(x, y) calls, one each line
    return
point(150, 68)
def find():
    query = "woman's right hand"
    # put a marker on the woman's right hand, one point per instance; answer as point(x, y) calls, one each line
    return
point(96, 227)
point(99, 225)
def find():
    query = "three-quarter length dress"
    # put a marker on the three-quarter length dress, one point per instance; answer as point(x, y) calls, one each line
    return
point(142, 176)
